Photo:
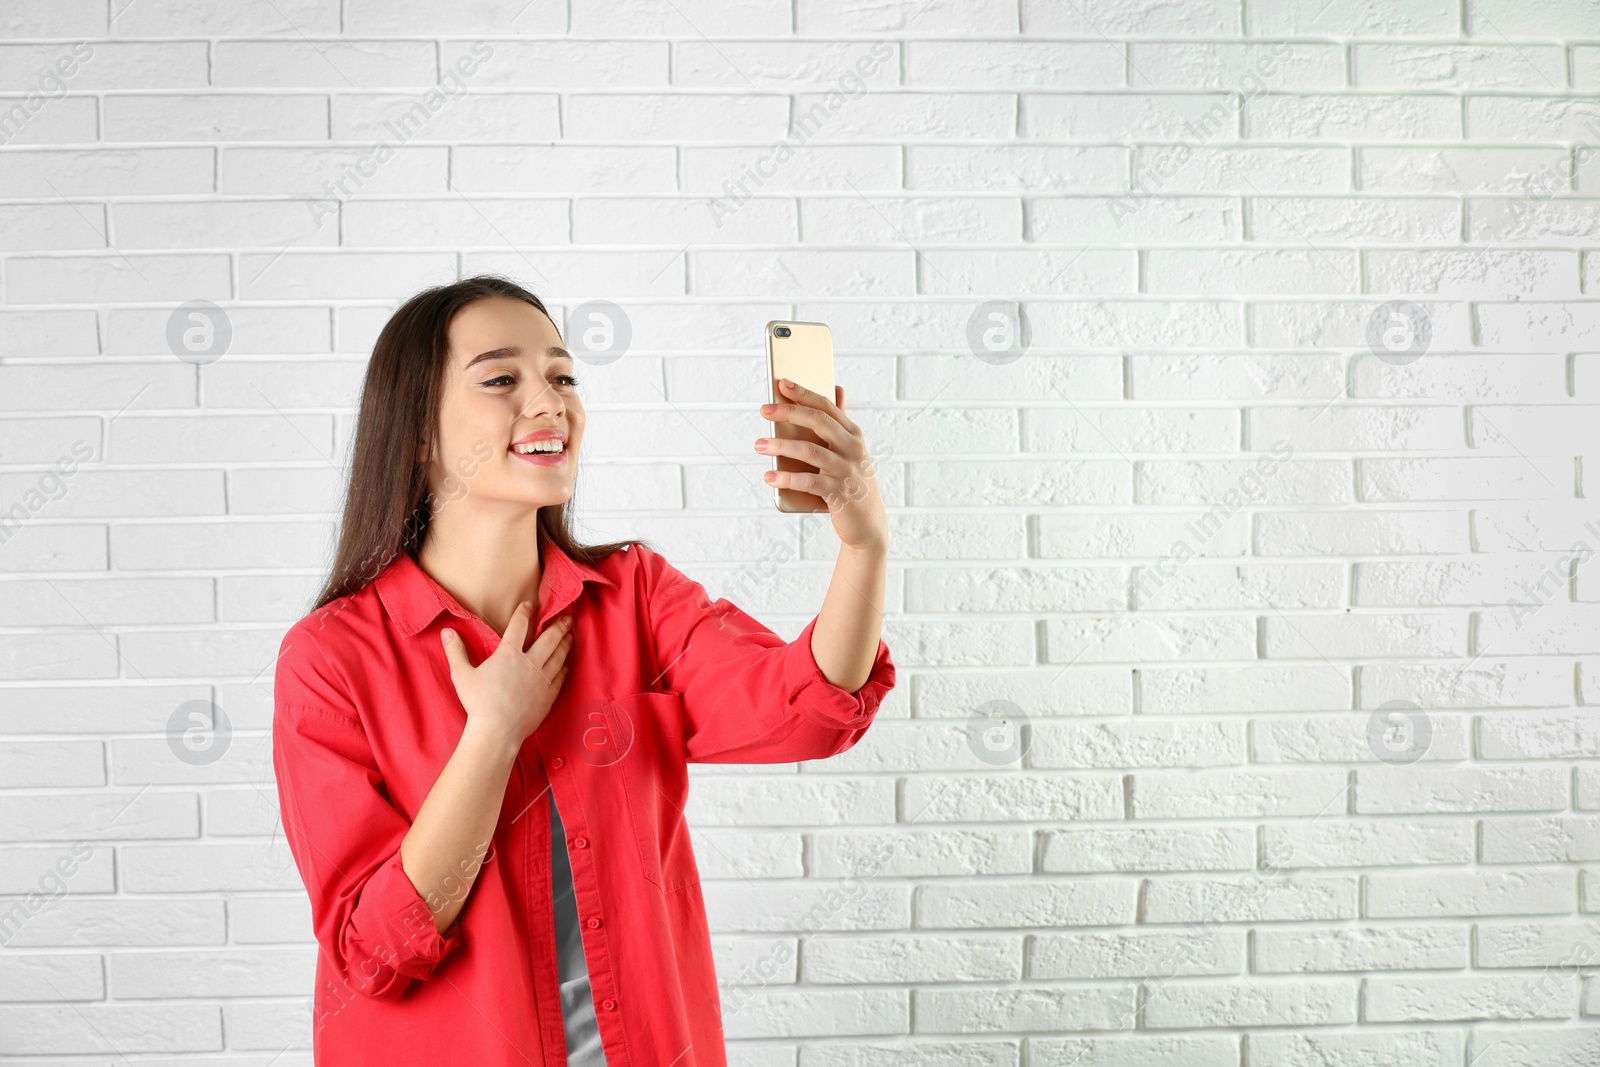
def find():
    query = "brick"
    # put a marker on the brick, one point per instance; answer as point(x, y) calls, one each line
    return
point(74, 18)
point(1449, 169)
point(1474, 66)
point(1361, 533)
point(336, 172)
point(1541, 839)
point(1392, 790)
point(1316, 18)
point(1359, 949)
point(177, 19)
point(1462, 376)
point(920, 853)
point(70, 1029)
point(1367, 117)
point(768, 803)
point(99, 816)
point(1025, 167)
point(215, 116)
point(673, 117)
point(39, 227)
point(542, 64)
point(334, 64)
point(1491, 1047)
point(640, 18)
point(1191, 1050)
point(142, 278)
point(464, 117)
point(1136, 954)
point(1364, 635)
point(915, 958)
point(1437, 998)
point(1368, 220)
point(1260, 687)
point(1211, 168)
point(1247, 67)
point(1344, 739)
point(1109, 849)
point(1230, 793)
point(1292, 1002)
point(255, 972)
point(1099, 116)
point(1021, 1008)
point(1485, 682)
point(1516, 20)
point(1530, 891)
point(770, 1013)
point(808, 908)
point(990, 64)
point(1037, 902)
point(1553, 944)
point(1373, 1046)
point(1346, 842)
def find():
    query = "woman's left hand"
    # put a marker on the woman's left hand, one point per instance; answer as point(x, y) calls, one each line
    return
point(845, 475)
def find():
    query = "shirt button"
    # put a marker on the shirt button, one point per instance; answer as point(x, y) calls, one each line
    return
point(580, 842)
point(558, 763)
point(593, 923)
point(608, 1004)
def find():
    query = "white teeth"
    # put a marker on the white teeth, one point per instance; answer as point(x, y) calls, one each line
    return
point(539, 446)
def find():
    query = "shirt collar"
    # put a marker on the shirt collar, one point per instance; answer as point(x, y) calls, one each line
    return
point(414, 599)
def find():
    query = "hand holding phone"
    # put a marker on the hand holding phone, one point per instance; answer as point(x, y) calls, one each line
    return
point(803, 353)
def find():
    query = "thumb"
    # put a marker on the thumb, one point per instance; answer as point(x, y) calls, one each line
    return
point(454, 651)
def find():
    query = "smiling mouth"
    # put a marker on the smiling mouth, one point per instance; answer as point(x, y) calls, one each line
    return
point(539, 458)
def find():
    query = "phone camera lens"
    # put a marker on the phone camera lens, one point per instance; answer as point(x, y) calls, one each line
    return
point(781, 331)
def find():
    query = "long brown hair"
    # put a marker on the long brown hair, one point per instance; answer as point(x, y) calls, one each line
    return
point(386, 504)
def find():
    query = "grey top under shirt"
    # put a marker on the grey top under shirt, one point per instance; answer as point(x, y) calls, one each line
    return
point(577, 1004)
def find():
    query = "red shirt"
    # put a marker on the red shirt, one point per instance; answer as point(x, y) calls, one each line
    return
point(365, 718)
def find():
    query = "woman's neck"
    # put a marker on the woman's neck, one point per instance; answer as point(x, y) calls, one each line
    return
point(488, 566)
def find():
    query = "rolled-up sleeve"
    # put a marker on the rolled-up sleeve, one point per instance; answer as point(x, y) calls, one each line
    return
point(345, 836)
point(749, 696)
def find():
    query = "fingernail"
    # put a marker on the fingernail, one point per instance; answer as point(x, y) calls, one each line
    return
point(449, 635)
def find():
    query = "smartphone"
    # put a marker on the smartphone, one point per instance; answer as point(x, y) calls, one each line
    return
point(803, 353)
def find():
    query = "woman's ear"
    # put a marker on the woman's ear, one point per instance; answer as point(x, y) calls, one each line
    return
point(422, 451)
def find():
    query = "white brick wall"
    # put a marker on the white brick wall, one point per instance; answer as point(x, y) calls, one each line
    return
point(1204, 534)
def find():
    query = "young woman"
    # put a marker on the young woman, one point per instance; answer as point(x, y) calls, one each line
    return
point(480, 732)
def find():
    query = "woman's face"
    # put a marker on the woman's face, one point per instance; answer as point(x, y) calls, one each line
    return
point(508, 383)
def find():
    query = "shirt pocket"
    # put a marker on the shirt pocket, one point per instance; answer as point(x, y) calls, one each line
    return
point(655, 781)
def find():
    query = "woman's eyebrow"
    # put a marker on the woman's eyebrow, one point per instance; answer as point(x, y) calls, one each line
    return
point(512, 352)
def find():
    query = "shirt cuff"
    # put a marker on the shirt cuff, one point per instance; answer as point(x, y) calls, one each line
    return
point(406, 940)
point(806, 687)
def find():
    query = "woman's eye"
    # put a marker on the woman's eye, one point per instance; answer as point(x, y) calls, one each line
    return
point(506, 379)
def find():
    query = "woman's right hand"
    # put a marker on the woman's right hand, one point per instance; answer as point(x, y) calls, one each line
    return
point(511, 691)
